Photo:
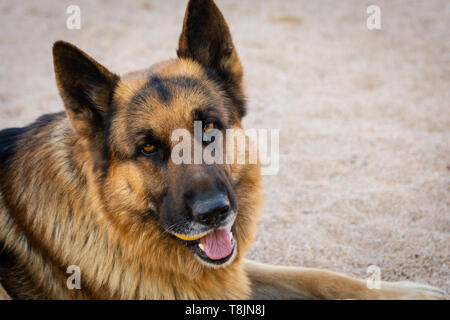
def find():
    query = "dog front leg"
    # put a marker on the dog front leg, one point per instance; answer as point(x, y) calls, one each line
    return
point(281, 282)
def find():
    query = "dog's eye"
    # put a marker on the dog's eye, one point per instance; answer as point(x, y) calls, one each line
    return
point(208, 126)
point(148, 149)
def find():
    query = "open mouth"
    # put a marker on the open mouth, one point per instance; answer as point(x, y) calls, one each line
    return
point(216, 247)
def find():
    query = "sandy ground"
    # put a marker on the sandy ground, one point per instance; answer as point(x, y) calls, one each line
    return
point(364, 116)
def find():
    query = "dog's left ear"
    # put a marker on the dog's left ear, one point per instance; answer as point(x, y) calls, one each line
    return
point(206, 39)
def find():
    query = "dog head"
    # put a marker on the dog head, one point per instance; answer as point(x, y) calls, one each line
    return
point(126, 123)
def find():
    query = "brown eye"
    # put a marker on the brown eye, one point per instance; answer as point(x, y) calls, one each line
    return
point(148, 149)
point(208, 126)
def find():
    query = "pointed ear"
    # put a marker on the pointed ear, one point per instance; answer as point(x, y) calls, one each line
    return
point(206, 39)
point(85, 86)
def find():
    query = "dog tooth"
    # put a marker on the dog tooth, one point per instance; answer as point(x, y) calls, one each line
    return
point(231, 235)
point(201, 247)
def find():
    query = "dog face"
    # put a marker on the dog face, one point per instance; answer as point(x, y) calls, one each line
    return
point(126, 124)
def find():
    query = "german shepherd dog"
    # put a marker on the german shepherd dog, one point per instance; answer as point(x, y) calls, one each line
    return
point(95, 187)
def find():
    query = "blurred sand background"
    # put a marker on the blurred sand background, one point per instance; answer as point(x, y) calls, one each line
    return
point(364, 116)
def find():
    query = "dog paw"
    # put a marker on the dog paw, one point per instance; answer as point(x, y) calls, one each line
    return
point(406, 290)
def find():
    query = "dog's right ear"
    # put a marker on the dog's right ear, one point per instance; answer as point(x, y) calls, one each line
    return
point(85, 86)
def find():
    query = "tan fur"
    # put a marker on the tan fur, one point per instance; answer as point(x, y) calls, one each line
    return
point(280, 282)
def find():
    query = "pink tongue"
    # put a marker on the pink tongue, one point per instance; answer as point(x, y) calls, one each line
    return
point(217, 244)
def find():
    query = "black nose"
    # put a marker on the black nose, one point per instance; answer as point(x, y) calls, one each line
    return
point(211, 211)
